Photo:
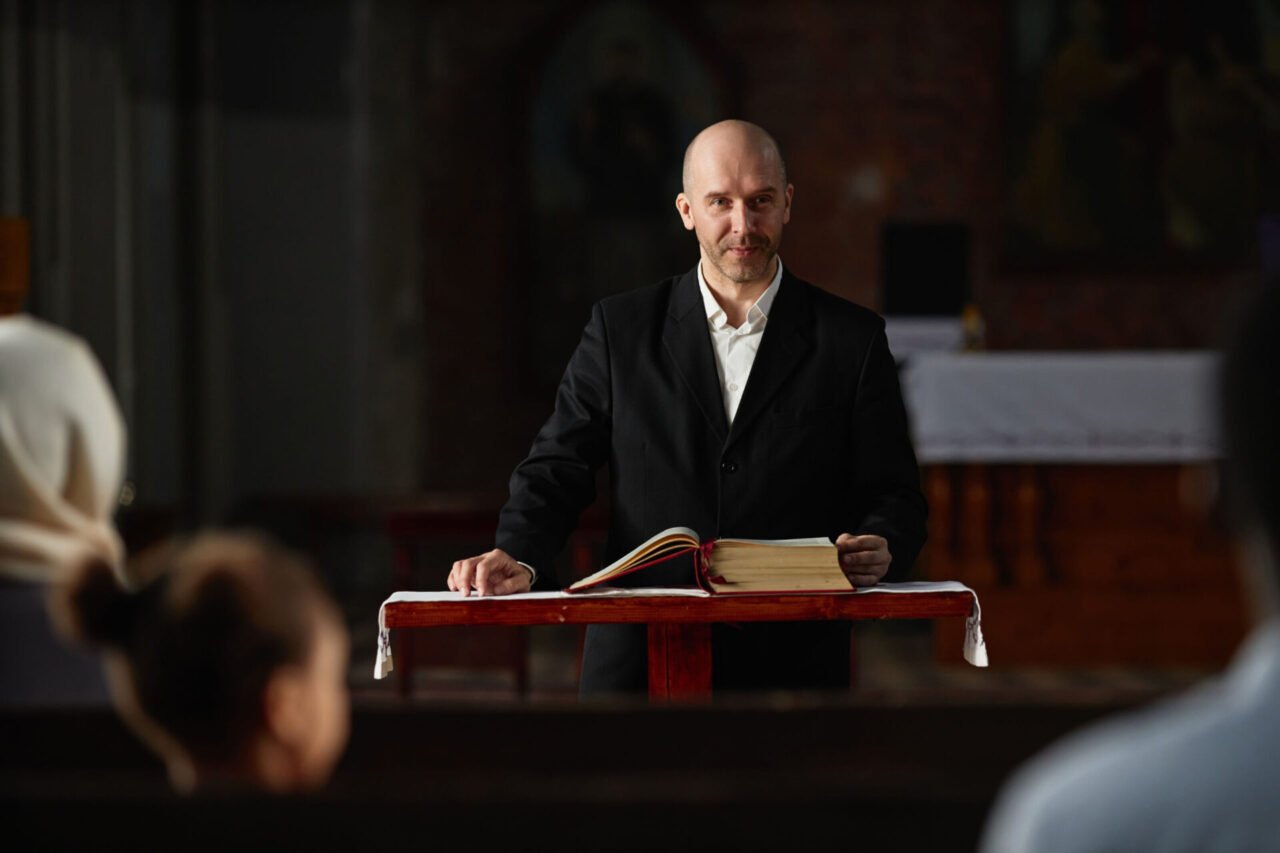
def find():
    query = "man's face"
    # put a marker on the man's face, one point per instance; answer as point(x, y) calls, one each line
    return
point(737, 203)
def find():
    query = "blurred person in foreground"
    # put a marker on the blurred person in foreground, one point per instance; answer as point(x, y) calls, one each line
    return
point(62, 451)
point(231, 665)
point(1200, 772)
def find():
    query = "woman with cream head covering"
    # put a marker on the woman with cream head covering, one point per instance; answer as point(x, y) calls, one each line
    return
point(62, 451)
point(62, 447)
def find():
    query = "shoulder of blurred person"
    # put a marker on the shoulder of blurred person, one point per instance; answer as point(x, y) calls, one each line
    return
point(1201, 772)
point(62, 452)
point(1198, 772)
point(46, 350)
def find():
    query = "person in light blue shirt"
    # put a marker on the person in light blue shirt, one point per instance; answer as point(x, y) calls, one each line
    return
point(1201, 772)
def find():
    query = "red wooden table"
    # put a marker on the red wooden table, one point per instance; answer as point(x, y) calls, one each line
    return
point(679, 625)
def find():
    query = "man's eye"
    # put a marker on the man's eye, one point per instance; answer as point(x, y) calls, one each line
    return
point(719, 202)
point(763, 200)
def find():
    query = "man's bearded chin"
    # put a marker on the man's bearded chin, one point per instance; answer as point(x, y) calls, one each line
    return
point(747, 270)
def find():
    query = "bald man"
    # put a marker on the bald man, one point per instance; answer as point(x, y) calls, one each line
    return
point(737, 400)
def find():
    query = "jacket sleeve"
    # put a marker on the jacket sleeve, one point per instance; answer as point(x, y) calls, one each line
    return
point(888, 500)
point(556, 481)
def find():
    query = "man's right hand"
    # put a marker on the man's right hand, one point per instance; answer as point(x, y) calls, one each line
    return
point(493, 573)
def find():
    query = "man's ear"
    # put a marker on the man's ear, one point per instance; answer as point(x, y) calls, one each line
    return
point(786, 203)
point(285, 712)
point(686, 215)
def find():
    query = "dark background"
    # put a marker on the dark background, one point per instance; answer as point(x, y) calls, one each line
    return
point(343, 248)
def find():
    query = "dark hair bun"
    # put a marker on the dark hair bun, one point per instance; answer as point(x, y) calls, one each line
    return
point(94, 609)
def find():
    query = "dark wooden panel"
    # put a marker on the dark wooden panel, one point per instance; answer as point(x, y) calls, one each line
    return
point(1086, 565)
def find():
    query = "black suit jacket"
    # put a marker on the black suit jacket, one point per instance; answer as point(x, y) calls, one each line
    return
point(819, 447)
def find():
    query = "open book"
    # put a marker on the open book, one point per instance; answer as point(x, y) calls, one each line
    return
point(726, 566)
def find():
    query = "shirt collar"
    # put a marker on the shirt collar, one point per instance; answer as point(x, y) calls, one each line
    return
point(756, 315)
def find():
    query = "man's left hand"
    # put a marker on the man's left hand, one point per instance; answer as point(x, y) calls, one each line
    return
point(864, 559)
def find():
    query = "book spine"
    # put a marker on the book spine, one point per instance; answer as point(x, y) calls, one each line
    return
point(702, 567)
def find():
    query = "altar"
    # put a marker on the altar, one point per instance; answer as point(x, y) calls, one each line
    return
point(1072, 491)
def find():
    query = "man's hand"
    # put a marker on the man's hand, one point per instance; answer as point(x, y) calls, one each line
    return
point(492, 573)
point(864, 559)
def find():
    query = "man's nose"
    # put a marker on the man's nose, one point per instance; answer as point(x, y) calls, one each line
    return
point(742, 220)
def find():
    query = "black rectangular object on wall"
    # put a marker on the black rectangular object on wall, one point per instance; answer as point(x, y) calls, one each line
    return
point(924, 268)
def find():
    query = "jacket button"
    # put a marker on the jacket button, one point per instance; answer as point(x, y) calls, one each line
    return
point(728, 467)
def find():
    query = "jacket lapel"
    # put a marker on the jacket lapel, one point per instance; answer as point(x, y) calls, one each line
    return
point(785, 344)
point(688, 342)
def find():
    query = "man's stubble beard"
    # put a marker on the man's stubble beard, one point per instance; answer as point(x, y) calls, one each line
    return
point(741, 273)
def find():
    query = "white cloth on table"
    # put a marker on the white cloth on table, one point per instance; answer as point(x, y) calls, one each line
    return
point(975, 647)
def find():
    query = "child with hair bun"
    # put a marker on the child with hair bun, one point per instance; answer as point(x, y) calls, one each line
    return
point(231, 665)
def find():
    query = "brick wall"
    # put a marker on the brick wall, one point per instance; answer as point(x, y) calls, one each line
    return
point(886, 109)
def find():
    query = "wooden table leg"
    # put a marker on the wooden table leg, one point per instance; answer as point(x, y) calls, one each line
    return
point(679, 661)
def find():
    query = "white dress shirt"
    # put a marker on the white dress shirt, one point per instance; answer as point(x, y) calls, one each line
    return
point(736, 348)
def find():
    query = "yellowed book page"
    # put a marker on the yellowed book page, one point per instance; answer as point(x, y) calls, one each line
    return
point(762, 566)
point(670, 540)
point(805, 542)
point(766, 556)
point(766, 559)
point(798, 583)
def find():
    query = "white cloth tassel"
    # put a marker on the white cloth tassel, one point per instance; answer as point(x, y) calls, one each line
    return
point(975, 647)
point(384, 663)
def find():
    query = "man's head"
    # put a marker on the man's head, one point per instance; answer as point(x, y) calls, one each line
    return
point(736, 199)
point(1250, 395)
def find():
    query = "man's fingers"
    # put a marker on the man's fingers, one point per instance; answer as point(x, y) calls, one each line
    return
point(468, 579)
point(875, 572)
point(865, 558)
point(491, 573)
point(868, 542)
point(861, 579)
point(483, 569)
point(495, 573)
point(461, 577)
point(513, 581)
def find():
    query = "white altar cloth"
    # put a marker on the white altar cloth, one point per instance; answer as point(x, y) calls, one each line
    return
point(1055, 407)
